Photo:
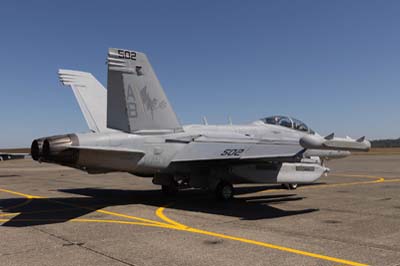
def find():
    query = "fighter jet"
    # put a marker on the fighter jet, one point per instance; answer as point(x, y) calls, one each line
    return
point(92, 99)
point(141, 135)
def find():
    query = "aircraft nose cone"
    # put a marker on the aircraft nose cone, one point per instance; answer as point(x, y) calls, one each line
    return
point(368, 144)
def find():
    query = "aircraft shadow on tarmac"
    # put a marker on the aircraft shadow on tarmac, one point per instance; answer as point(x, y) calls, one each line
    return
point(61, 209)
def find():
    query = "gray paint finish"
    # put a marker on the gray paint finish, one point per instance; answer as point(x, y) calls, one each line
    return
point(136, 93)
point(148, 140)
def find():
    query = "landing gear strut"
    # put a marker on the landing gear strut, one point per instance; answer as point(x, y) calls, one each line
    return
point(170, 190)
point(290, 186)
point(224, 191)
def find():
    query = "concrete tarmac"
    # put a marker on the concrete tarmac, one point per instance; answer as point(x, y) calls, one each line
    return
point(52, 215)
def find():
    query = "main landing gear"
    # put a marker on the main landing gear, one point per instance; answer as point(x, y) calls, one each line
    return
point(170, 187)
point(224, 191)
point(290, 186)
point(169, 190)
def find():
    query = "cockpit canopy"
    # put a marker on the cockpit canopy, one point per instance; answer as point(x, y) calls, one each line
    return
point(288, 122)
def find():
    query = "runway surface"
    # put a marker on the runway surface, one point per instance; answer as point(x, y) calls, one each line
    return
point(53, 215)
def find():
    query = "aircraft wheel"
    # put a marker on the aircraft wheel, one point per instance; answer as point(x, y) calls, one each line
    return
point(290, 186)
point(169, 190)
point(224, 191)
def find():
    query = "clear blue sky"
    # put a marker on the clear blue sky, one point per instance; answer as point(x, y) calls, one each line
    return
point(333, 64)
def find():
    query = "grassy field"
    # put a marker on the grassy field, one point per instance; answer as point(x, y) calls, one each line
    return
point(16, 150)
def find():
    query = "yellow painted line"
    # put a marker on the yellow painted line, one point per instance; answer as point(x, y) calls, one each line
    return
point(171, 224)
point(27, 196)
point(131, 217)
point(392, 180)
point(358, 175)
point(122, 222)
point(281, 248)
point(27, 201)
point(182, 227)
point(30, 197)
point(379, 179)
point(87, 221)
point(42, 211)
point(20, 194)
point(9, 214)
point(343, 184)
point(160, 214)
point(109, 213)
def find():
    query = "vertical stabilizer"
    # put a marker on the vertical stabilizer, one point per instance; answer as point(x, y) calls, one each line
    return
point(136, 101)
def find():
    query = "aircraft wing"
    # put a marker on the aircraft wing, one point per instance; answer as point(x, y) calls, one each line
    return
point(215, 148)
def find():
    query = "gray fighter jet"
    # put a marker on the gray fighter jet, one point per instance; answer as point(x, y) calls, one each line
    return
point(139, 133)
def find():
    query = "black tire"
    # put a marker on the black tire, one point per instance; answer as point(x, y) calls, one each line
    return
point(224, 191)
point(169, 190)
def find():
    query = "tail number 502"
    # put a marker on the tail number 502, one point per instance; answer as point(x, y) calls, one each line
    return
point(126, 54)
point(232, 152)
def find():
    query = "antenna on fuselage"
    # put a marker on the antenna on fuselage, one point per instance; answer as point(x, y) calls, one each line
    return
point(230, 120)
point(205, 122)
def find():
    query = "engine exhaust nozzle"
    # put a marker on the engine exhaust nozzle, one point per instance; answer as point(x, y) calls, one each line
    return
point(36, 149)
point(57, 149)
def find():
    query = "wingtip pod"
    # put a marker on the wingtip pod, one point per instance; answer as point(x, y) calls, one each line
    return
point(331, 143)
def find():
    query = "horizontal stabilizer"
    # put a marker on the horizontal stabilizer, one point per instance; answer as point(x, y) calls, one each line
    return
point(91, 97)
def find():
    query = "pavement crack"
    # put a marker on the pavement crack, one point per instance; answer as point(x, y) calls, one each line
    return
point(106, 255)
point(304, 235)
point(83, 246)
